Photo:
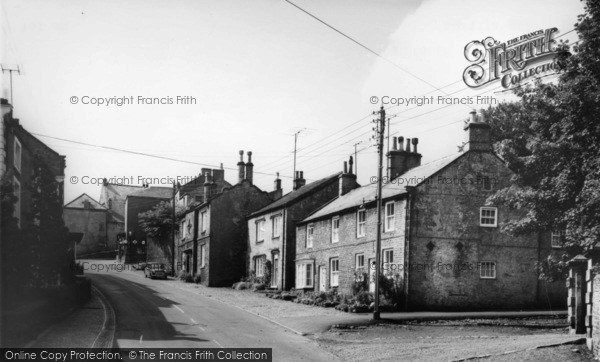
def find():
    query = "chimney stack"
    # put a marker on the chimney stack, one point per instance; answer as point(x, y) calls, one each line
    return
point(241, 168)
point(347, 180)
point(478, 133)
point(250, 168)
point(395, 143)
point(299, 181)
point(277, 192)
point(401, 160)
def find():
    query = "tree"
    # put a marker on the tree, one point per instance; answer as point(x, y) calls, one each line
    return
point(551, 138)
point(157, 222)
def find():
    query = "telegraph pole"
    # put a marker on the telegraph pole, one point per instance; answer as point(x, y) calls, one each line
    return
point(173, 233)
point(10, 72)
point(356, 159)
point(295, 143)
point(380, 135)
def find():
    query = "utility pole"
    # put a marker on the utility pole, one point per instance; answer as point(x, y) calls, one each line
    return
point(356, 159)
point(173, 233)
point(10, 72)
point(380, 135)
point(295, 144)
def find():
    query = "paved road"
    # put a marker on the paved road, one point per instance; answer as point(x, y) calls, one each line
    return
point(154, 313)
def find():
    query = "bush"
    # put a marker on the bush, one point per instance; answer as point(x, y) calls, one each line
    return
point(258, 286)
point(197, 279)
point(186, 277)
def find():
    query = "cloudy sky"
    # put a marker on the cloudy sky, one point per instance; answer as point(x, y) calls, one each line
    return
point(259, 72)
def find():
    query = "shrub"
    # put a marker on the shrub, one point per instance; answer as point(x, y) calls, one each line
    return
point(197, 279)
point(186, 277)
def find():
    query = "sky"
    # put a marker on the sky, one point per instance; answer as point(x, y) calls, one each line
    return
point(258, 73)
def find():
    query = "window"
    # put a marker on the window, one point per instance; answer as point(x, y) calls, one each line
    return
point(17, 154)
point(17, 192)
point(556, 239)
point(334, 277)
point(202, 255)
point(361, 223)
point(259, 266)
point(388, 256)
point(276, 232)
point(390, 217)
point(335, 230)
point(310, 235)
point(304, 275)
point(487, 183)
point(488, 217)
point(203, 221)
point(360, 261)
point(487, 270)
point(260, 230)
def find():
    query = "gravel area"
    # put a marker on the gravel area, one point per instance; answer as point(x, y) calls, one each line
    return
point(445, 341)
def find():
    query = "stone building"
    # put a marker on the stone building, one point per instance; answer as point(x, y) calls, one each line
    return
point(112, 197)
point(140, 246)
point(192, 192)
point(441, 240)
point(86, 216)
point(272, 229)
point(212, 235)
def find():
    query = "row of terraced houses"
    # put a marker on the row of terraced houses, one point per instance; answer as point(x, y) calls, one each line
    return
point(440, 238)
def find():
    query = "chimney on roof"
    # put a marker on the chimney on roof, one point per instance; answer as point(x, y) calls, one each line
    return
point(347, 180)
point(241, 168)
point(299, 180)
point(207, 187)
point(218, 174)
point(401, 160)
point(478, 133)
point(250, 168)
point(277, 192)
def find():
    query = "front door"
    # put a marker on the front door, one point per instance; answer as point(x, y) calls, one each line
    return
point(372, 275)
point(275, 272)
point(322, 278)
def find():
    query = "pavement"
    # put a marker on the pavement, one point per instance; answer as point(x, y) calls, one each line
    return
point(95, 324)
point(90, 326)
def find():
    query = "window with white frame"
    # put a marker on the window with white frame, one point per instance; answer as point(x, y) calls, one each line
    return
point(556, 239)
point(360, 261)
point(390, 216)
point(334, 277)
point(259, 266)
point(361, 223)
point(310, 235)
point(202, 255)
point(17, 193)
point(203, 221)
point(260, 230)
point(488, 216)
point(304, 275)
point(18, 151)
point(335, 229)
point(487, 270)
point(276, 232)
point(183, 229)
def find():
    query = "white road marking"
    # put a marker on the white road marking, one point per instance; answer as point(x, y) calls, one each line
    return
point(193, 321)
point(141, 336)
point(202, 329)
point(218, 344)
point(179, 309)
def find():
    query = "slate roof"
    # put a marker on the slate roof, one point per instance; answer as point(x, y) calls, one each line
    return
point(397, 187)
point(296, 195)
point(153, 191)
point(79, 203)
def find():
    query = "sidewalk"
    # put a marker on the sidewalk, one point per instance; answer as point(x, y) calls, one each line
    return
point(305, 320)
point(90, 326)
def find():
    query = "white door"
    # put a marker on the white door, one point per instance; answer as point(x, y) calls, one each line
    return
point(322, 279)
point(275, 272)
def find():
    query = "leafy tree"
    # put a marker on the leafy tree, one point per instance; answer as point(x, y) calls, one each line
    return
point(551, 138)
point(157, 222)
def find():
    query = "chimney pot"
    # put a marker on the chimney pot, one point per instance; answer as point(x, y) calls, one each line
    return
point(345, 167)
point(408, 145)
point(401, 143)
point(250, 168)
point(481, 116)
point(241, 168)
point(415, 142)
point(350, 164)
point(473, 116)
point(395, 144)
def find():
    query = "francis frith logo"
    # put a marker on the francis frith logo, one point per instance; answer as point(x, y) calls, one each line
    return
point(510, 62)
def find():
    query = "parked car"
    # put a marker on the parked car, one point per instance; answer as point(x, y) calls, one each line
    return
point(155, 270)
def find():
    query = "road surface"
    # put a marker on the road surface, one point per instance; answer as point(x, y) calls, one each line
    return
point(157, 314)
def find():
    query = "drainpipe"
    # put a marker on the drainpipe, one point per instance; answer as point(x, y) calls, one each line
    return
point(407, 239)
point(282, 256)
